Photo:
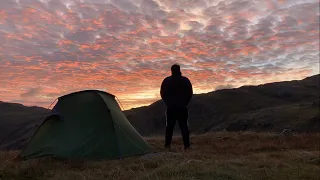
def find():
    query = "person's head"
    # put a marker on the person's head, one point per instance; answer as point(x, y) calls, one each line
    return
point(175, 70)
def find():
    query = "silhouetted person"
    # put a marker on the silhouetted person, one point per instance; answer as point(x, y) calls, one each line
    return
point(176, 92)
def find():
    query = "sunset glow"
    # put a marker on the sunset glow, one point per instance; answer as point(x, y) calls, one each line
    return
point(50, 48)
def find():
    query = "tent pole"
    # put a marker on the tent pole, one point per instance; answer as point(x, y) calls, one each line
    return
point(119, 103)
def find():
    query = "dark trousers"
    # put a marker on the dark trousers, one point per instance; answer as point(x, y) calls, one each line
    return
point(180, 115)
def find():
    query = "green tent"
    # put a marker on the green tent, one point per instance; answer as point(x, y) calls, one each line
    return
point(86, 125)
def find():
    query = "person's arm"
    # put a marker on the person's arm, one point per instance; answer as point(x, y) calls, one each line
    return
point(189, 90)
point(163, 89)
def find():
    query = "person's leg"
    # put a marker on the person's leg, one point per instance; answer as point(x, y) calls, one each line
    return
point(183, 124)
point(170, 123)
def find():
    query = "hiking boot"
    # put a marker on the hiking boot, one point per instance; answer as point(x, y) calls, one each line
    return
point(187, 148)
point(167, 147)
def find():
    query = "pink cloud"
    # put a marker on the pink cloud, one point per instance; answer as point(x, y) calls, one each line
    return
point(54, 48)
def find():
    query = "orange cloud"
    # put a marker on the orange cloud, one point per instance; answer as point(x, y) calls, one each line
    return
point(53, 48)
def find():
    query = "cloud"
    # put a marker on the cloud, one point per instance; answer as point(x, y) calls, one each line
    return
point(228, 86)
point(30, 92)
point(128, 46)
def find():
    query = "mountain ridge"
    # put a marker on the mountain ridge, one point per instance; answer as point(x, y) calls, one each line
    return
point(212, 108)
point(266, 107)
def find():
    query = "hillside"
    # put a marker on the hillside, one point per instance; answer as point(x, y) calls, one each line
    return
point(223, 156)
point(16, 121)
point(268, 107)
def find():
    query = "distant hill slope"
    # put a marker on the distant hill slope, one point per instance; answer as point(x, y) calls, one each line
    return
point(16, 121)
point(269, 107)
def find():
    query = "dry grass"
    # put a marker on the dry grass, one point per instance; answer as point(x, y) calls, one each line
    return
point(214, 156)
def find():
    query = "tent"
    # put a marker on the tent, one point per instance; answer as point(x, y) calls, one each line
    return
point(87, 124)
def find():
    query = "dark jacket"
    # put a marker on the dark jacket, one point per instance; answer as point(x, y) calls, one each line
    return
point(176, 91)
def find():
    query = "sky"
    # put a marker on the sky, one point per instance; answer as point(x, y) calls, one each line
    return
point(49, 48)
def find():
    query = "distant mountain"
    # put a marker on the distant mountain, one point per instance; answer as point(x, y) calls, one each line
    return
point(16, 123)
point(268, 107)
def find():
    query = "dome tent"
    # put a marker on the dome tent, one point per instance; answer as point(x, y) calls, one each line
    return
point(86, 125)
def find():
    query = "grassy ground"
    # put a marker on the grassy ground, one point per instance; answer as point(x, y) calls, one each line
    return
point(214, 156)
